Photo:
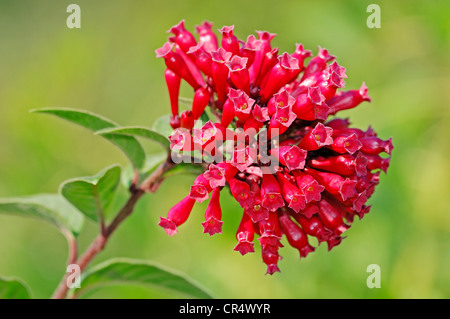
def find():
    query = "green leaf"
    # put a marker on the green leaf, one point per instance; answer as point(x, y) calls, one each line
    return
point(138, 131)
point(129, 145)
point(162, 125)
point(151, 163)
point(92, 195)
point(13, 289)
point(49, 207)
point(184, 168)
point(146, 273)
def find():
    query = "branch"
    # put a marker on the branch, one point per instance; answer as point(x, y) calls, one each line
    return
point(99, 243)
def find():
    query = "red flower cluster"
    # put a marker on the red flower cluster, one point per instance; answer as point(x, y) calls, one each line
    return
point(318, 173)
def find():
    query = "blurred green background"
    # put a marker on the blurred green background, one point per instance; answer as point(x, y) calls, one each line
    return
point(109, 67)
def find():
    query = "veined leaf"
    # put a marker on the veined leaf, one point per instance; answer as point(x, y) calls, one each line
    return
point(146, 273)
point(129, 145)
point(137, 131)
point(162, 125)
point(13, 289)
point(92, 195)
point(49, 207)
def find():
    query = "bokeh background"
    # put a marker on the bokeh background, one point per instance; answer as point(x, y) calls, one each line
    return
point(109, 67)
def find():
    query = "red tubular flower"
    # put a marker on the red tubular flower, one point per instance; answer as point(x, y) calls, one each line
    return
point(177, 216)
point(269, 61)
point(271, 193)
point(263, 47)
point(345, 144)
point(279, 75)
point(229, 40)
point(183, 38)
point(202, 58)
point(311, 106)
point(256, 210)
point(175, 121)
point(207, 36)
point(201, 100)
point(318, 63)
point(243, 158)
point(376, 161)
point(241, 192)
point(257, 119)
point(332, 81)
point(187, 120)
point(239, 73)
point(334, 184)
point(271, 258)
point(310, 187)
point(176, 63)
point(191, 65)
point(294, 171)
point(281, 121)
point(173, 84)
point(249, 50)
point(345, 165)
point(338, 124)
point(296, 237)
point(270, 232)
point(349, 99)
point(243, 104)
point(227, 113)
point(219, 174)
point(213, 215)
point(331, 217)
point(301, 54)
point(316, 138)
point(219, 72)
point(374, 145)
point(280, 100)
point(245, 235)
point(181, 140)
point(291, 194)
point(201, 189)
point(292, 157)
point(314, 227)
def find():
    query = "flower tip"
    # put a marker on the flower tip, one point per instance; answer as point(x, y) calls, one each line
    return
point(245, 247)
point(272, 268)
point(325, 55)
point(352, 143)
point(388, 146)
point(300, 50)
point(164, 50)
point(177, 28)
point(364, 92)
point(212, 226)
point(169, 226)
point(306, 250)
point(385, 162)
point(288, 62)
point(205, 26)
point(348, 189)
point(334, 241)
point(266, 36)
point(227, 30)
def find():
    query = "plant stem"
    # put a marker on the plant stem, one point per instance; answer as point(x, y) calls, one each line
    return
point(99, 243)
